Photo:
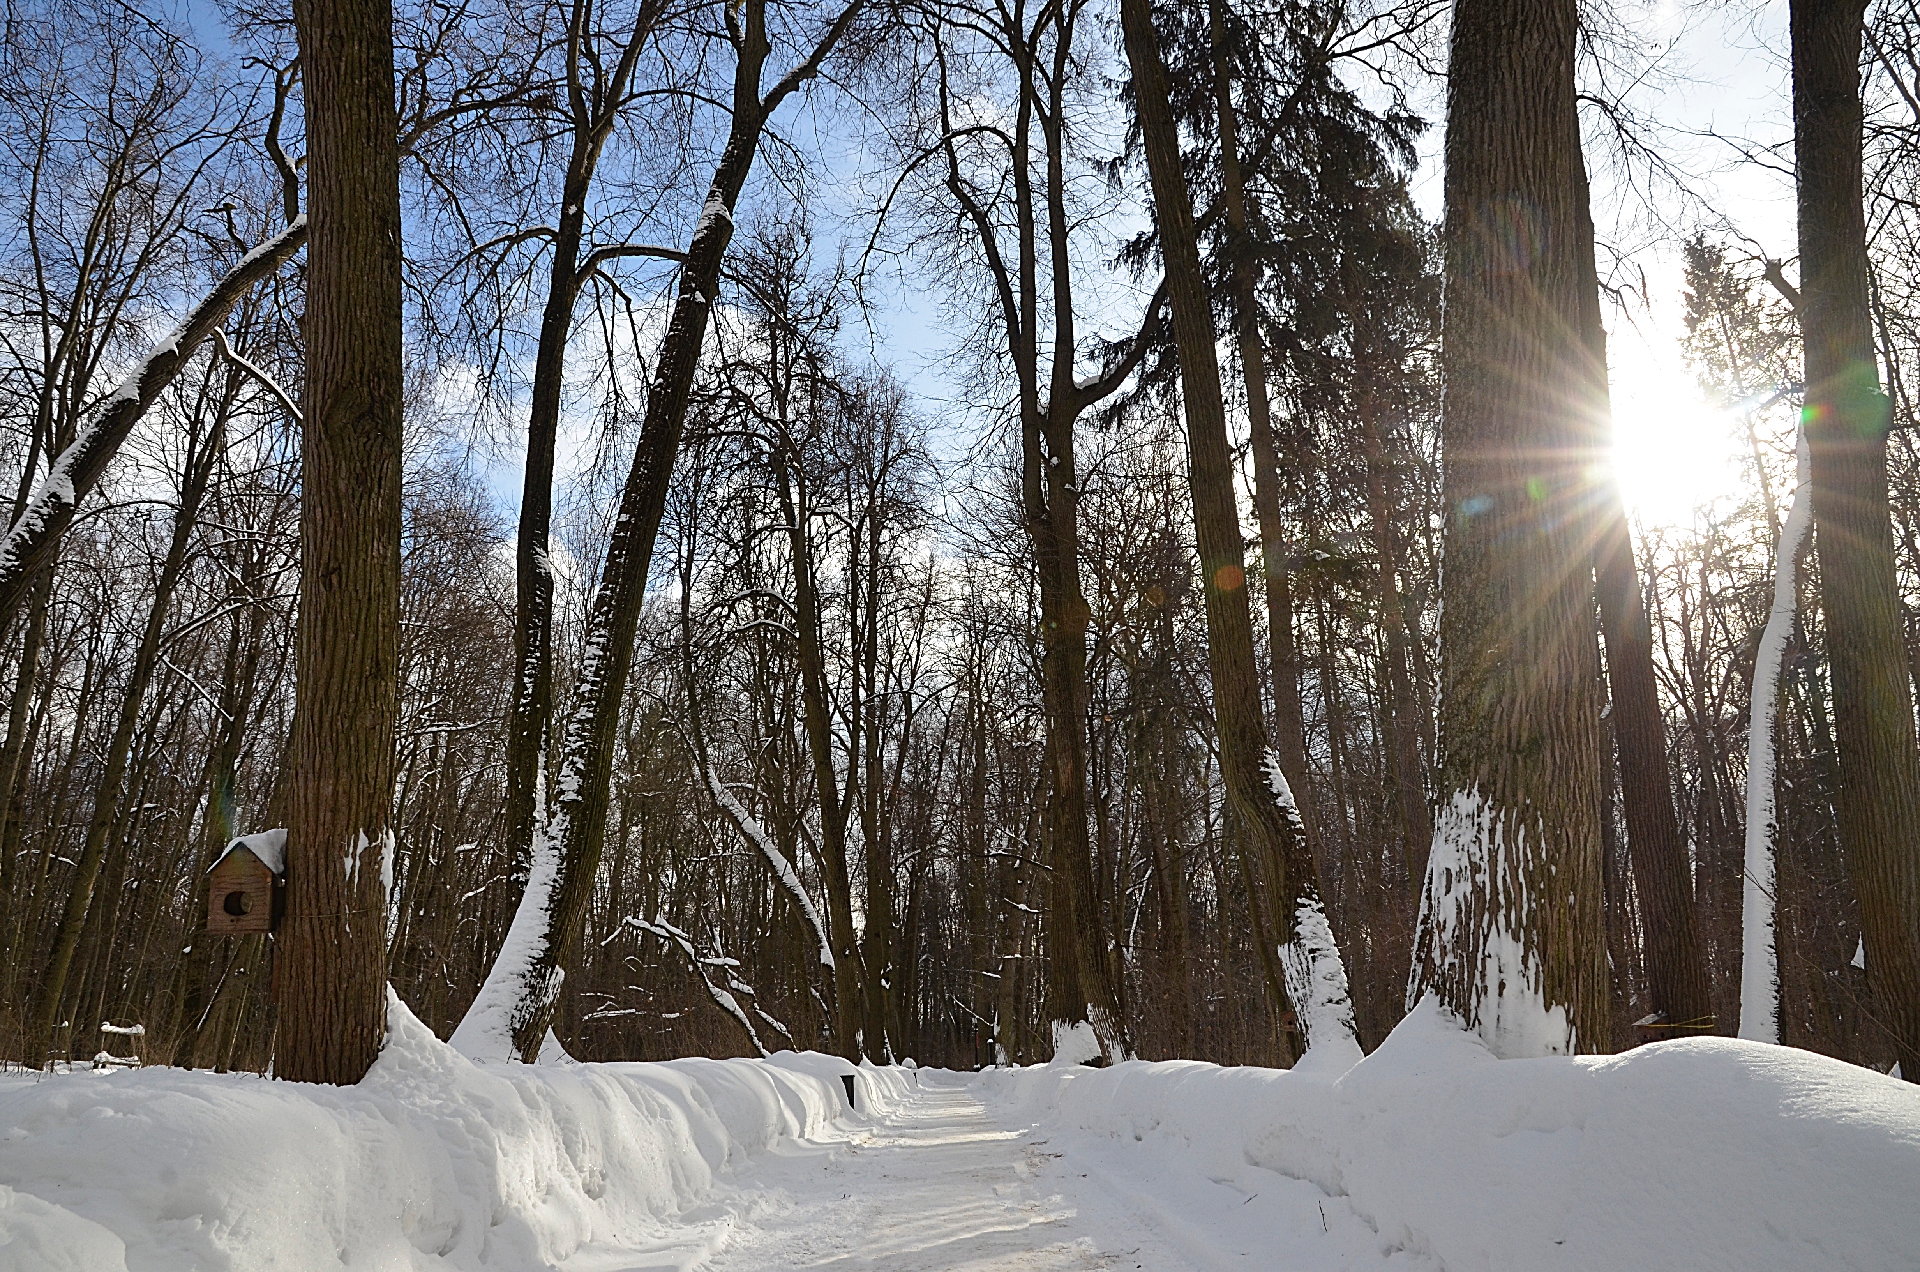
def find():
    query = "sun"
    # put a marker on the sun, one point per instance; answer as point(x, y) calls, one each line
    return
point(1675, 453)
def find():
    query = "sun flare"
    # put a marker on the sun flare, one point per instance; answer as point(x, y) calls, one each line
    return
point(1675, 452)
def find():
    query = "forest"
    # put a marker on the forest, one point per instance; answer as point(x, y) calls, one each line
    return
point(915, 529)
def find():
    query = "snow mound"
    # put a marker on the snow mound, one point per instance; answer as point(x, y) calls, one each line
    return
point(1703, 1153)
point(431, 1162)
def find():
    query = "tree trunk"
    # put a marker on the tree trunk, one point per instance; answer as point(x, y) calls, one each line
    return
point(592, 114)
point(330, 955)
point(1289, 716)
point(1847, 420)
point(1662, 868)
point(816, 714)
point(1402, 713)
point(1512, 927)
point(15, 758)
point(523, 988)
point(1281, 863)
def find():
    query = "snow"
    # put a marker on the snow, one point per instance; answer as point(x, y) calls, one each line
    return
point(1429, 1154)
point(1708, 1152)
point(485, 1033)
point(270, 846)
point(1074, 1043)
point(1317, 984)
point(1759, 961)
point(1472, 857)
point(1316, 975)
point(431, 1162)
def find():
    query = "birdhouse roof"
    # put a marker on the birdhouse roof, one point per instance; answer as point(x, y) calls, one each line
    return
point(269, 847)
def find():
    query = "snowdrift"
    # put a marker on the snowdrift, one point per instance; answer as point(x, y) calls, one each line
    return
point(431, 1162)
point(1707, 1153)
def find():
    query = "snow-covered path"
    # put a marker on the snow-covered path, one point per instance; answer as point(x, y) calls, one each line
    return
point(1707, 1152)
point(940, 1185)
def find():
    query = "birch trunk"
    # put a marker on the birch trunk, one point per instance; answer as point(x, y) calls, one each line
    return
point(1759, 957)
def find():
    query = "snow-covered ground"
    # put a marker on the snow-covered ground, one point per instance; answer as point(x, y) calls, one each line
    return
point(1429, 1154)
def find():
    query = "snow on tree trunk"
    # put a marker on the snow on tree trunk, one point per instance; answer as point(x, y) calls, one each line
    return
point(1474, 915)
point(486, 1031)
point(1759, 960)
point(35, 533)
point(1512, 934)
point(1315, 973)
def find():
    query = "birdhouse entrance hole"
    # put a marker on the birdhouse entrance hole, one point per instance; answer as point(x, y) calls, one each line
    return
point(237, 904)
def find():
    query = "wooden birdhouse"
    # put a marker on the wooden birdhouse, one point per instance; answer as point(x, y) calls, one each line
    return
point(247, 886)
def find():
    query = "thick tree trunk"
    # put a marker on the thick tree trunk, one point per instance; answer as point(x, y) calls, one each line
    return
point(1847, 420)
point(1281, 864)
point(330, 956)
point(1512, 928)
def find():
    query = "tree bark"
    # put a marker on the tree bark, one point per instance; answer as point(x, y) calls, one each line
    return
point(817, 719)
point(15, 757)
point(1847, 418)
point(592, 110)
point(1512, 932)
point(330, 956)
point(1283, 661)
point(1402, 714)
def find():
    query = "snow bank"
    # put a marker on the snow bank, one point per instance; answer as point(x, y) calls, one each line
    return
point(1704, 1153)
point(431, 1162)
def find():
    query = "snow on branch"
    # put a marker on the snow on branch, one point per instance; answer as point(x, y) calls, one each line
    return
point(724, 1000)
point(782, 868)
point(35, 536)
point(259, 374)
